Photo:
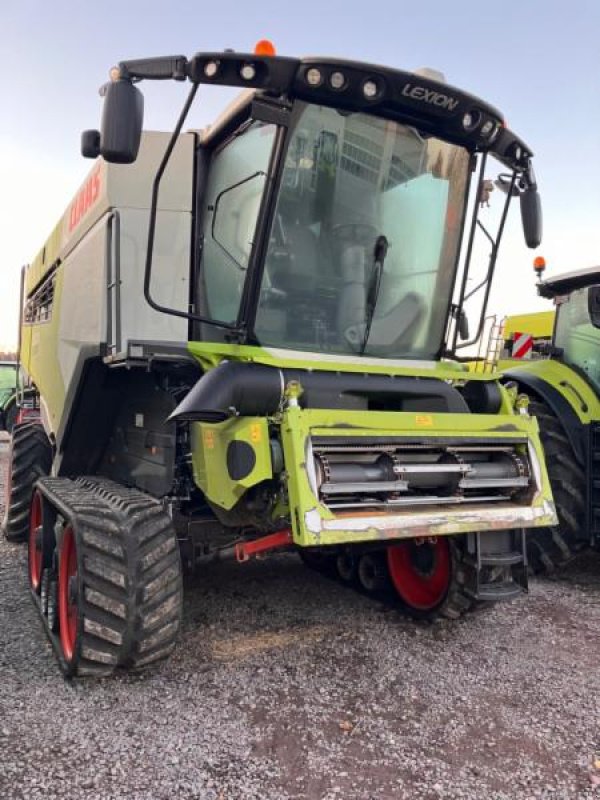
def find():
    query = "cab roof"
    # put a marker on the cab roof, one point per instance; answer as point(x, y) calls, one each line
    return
point(569, 282)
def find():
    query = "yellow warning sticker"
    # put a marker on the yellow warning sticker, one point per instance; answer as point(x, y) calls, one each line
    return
point(208, 437)
point(255, 433)
point(424, 420)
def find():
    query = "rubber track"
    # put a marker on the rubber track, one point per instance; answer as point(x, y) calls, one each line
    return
point(551, 548)
point(130, 581)
point(31, 458)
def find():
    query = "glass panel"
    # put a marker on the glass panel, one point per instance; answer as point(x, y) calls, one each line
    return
point(350, 179)
point(233, 195)
point(577, 337)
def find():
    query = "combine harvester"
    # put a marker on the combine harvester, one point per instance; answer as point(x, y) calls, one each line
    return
point(244, 340)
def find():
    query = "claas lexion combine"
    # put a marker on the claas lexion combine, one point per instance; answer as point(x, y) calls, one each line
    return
point(244, 339)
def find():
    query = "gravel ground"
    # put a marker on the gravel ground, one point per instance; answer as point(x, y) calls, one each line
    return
point(287, 685)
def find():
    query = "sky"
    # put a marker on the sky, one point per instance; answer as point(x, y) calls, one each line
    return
point(538, 61)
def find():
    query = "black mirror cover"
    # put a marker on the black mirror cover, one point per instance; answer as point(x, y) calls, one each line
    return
point(122, 119)
point(594, 305)
point(531, 217)
point(463, 325)
point(90, 144)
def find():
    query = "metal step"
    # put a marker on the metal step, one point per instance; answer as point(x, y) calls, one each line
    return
point(498, 591)
point(501, 559)
point(497, 574)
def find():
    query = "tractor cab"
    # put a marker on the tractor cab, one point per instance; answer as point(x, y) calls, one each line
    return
point(576, 337)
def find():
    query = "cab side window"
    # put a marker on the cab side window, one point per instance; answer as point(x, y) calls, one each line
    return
point(234, 191)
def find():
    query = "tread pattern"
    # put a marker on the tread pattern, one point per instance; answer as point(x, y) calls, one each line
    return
point(129, 575)
point(551, 548)
point(30, 458)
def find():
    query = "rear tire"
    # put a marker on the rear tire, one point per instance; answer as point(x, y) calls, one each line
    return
point(30, 458)
point(551, 548)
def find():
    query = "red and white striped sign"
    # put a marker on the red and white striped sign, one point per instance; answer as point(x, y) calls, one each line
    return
point(522, 345)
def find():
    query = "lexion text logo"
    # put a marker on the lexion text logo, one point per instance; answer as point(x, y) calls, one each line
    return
point(430, 96)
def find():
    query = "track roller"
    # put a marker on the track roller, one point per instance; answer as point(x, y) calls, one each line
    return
point(347, 566)
point(372, 572)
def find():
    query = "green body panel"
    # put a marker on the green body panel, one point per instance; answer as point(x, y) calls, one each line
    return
point(210, 445)
point(209, 354)
point(39, 349)
point(565, 380)
point(45, 259)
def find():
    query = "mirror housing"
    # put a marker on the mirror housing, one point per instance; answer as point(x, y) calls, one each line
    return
point(594, 305)
point(90, 144)
point(122, 119)
point(463, 325)
point(531, 216)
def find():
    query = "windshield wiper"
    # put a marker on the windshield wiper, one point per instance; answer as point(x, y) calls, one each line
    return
point(379, 254)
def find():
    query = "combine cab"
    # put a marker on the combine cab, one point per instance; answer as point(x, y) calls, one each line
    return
point(245, 340)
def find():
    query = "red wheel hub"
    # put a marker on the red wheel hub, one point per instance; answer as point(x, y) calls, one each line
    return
point(420, 571)
point(67, 596)
point(35, 542)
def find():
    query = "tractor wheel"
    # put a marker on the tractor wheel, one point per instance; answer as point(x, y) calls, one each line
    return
point(10, 417)
point(30, 457)
point(428, 577)
point(119, 592)
point(551, 548)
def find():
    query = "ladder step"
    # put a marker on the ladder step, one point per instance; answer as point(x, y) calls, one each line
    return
point(498, 591)
point(501, 559)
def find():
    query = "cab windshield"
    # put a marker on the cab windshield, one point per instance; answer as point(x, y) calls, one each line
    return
point(578, 339)
point(364, 239)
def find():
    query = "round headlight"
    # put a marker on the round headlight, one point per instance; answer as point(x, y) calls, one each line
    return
point(337, 80)
point(370, 89)
point(471, 120)
point(248, 72)
point(487, 128)
point(314, 77)
point(211, 68)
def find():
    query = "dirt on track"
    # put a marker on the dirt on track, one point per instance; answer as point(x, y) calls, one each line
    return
point(287, 685)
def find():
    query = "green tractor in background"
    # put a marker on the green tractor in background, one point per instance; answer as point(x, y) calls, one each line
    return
point(564, 390)
point(8, 391)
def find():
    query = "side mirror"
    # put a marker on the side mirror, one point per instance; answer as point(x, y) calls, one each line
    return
point(594, 305)
point(122, 119)
point(531, 216)
point(463, 325)
point(90, 144)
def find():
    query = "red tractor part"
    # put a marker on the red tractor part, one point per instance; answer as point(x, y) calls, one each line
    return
point(273, 541)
